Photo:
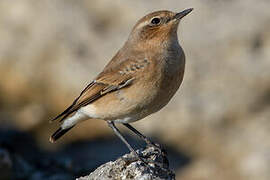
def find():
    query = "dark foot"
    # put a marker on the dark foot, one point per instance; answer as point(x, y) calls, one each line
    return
point(146, 159)
point(134, 156)
point(159, 148)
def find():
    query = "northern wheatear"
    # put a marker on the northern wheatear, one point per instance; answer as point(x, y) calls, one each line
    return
point(139, 80)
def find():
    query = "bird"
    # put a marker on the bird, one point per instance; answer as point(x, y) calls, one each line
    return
point(139, 80)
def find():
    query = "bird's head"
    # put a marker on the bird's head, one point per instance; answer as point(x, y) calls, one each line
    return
point(157, 26)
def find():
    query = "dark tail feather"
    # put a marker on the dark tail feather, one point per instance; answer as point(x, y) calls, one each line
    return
point(59, 133)
point(63, 113)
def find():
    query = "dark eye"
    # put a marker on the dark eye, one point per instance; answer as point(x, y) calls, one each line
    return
point(155, 21)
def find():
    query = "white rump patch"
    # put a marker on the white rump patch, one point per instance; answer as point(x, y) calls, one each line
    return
point(71, 121)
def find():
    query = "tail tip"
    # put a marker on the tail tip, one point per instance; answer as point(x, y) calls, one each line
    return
point(52, 140)
point(59, 133)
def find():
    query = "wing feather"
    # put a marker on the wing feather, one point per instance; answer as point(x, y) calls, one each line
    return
point(114, 77)
point(101, 86)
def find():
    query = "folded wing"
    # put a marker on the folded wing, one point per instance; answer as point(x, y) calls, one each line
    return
point(106, 82)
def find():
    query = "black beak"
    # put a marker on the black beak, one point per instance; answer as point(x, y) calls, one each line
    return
point(180, 15)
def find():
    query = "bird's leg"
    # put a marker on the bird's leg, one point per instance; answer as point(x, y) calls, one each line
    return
point(117, 132)
point(160, 149)
point(138, 157)
point(143, 137)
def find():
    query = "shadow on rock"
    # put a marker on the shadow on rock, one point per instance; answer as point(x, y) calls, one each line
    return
point(21, 158)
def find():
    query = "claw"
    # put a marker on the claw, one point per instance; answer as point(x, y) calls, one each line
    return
point(152, 165)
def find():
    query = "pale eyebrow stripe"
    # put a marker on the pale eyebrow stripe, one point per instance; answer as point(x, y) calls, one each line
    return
point(142, 24)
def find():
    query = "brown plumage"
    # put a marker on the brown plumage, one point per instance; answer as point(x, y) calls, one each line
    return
point(139, 80)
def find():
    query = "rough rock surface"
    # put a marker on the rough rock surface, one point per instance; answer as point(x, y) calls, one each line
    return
point(135, 169)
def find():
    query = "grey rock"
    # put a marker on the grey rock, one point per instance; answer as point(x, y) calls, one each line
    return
point(128, 167)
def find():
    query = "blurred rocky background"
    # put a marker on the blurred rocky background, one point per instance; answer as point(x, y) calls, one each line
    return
point(216, 127)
